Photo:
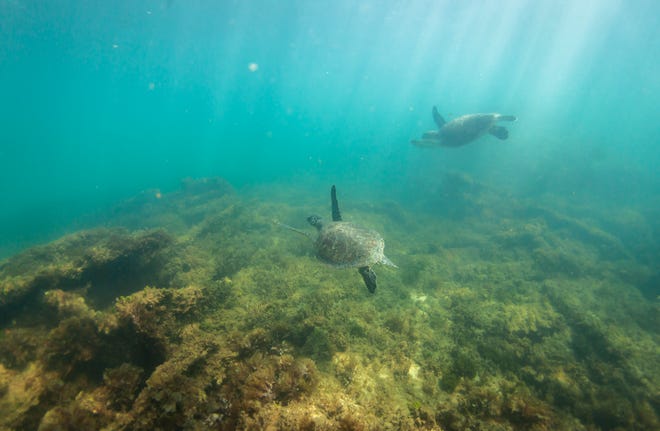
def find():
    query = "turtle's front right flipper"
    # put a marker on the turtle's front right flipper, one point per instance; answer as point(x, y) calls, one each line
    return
point(369, 277)
point(336, 215)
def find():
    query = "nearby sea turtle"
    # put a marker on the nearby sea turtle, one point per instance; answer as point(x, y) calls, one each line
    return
point(463, 130)
point(346, 245)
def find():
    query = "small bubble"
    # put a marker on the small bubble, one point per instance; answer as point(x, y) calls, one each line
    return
point(253, 67)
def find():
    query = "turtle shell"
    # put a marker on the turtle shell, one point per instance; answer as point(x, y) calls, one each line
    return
point(466, 128)
point(344, 245)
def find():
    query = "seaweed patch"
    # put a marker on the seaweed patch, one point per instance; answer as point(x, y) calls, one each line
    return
point(198, 313)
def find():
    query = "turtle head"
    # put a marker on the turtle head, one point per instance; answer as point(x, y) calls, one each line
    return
point(315, 221)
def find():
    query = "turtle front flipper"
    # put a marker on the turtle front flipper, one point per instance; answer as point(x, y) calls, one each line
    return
point(369, 277)
point(336, 215)
point(439, 121)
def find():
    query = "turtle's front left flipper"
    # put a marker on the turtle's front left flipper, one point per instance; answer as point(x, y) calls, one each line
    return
point(439, 121)
point(369, 277)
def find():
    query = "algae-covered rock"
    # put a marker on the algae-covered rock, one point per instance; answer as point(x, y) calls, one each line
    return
point(497, 404)
point(176, 390)
point(75, 342)
point(123, 384)
point(23, 395)
point(504, 316)
point(69, 304)
point(157, 312)
point(106, 262)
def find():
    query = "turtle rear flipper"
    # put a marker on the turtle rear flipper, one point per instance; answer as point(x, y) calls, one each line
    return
point(369, 277)
point(499, 132)
point(386, 261)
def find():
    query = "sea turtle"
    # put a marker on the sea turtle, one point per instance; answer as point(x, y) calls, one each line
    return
point(346, 245)
point(463, 130)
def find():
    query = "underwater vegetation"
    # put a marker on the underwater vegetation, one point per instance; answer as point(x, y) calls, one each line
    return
point(192, 310)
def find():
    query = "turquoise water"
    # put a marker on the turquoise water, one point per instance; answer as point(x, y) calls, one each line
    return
point(166, 138)
point(101, 100)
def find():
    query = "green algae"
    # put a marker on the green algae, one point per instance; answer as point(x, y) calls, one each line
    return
point(501, 317)
point(103, 262)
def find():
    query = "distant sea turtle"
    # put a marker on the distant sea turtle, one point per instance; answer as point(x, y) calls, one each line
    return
point(463, 130)
point(346, 245)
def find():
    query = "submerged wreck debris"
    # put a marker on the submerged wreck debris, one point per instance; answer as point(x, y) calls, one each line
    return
point(518, 322)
